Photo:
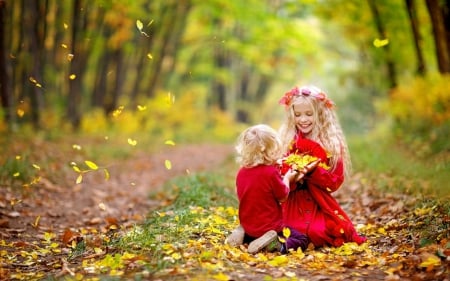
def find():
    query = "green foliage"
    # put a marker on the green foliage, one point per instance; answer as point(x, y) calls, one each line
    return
point(202, 190)
point(17, 171)
point(391, 166)
point(421, 113)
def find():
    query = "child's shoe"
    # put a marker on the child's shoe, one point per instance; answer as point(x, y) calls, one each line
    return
point(263, 241)
point(236, 238)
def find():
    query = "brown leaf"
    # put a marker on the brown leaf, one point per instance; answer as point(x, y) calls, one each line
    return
point(69, 235)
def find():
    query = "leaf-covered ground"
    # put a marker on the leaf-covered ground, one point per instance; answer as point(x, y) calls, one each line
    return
point(55, 232)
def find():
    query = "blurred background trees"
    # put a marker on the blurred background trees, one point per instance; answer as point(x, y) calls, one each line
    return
point(203, 66)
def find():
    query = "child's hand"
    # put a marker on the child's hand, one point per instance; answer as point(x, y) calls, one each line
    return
point(291, 174)
point(311, 166)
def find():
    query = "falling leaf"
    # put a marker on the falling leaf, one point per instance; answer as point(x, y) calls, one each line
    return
point(139, 25)
point(141, 107)
point(36, 167)
point(169, 142)
point(378, 43)
point(20, 112)
point(79, 179)
point(168, 164)
point(16, 174)
point(65, 25)
point(64, 46)
point(76, 147)
point(107, 176)
point(149, 56)
point(76, 169)
point(72, 77)
point(132, 142)
point(91, 165)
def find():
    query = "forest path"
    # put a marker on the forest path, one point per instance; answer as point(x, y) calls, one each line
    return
point(392, 222)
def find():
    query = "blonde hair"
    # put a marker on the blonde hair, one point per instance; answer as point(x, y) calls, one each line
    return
point(258, 145)
point(327, 130)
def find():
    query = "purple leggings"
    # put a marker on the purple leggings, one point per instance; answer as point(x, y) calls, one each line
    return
point(294, 241)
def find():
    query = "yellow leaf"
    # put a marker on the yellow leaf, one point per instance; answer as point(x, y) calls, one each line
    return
point(76, 147)
point(279, 260)
point(72, 77)
point(20, 112)
point(91, 165)
point(169, 142)
point(149, 56)
point(168, 164)
point(76, 169)
point(36, 221)
point(106, 174)
point(139, 25)
point(286, 232)
point(141, 107)
point(36, 167)
point(16, 174)
point(431, 261)
point(132, 142)
point(221, 277)
point(378, 43)
point(79, 179)
point(381, 230)
point(176, 256)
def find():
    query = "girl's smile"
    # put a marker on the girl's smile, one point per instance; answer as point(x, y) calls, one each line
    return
point(304, 117)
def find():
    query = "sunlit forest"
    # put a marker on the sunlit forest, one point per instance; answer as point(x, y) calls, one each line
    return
point(87, 83)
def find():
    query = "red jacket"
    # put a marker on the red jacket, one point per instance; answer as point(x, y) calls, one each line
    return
point(312, 209)
point(259, 190)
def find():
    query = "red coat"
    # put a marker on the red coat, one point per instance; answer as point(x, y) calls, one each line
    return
point(312, 209)
point(259, 190)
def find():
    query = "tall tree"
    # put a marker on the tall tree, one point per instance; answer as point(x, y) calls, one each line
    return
point(78, 63)
point(412, 13)
point(390, 64)
point(439, 15)
point(5, 93)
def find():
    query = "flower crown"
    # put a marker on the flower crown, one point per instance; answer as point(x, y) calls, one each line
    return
point(286, 100)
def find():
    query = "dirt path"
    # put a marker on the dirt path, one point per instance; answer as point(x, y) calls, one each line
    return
point(124, 198)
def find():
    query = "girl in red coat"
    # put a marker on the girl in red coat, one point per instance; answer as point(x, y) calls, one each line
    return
point(312, 127)
point(260, 189)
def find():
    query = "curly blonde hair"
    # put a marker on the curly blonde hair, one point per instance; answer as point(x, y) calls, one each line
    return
point(258, 145)
point(327, 130)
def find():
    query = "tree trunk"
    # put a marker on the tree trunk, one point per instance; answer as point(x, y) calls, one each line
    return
point(436, 11)
point(36, 19)
point(411, 7)
point(5, 93)
point(392, 73)
point(77, 66)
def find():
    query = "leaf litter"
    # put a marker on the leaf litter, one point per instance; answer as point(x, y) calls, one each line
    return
point(66, 232)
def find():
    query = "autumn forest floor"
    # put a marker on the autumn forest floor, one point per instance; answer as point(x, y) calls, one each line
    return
point(42, 225)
